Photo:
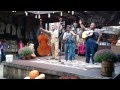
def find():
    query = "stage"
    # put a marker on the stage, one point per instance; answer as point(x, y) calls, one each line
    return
point(53, 69)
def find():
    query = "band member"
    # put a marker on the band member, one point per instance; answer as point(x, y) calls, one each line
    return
point(69, 39)
point(91, 42)
point(54, 41)
point(61, 32)
point(74, 43)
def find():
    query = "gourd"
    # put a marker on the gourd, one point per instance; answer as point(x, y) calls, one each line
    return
point(33, 74)
point(27, 77)
point(33, 55)
point(41, 76)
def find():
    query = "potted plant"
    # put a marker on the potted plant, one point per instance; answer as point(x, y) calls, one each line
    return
point(107, 58)
point(25, 52)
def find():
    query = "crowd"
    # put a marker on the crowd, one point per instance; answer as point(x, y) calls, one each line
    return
point(3, 50)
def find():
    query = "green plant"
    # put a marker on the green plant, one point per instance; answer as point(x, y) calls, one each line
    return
point(105, 55)
point(119, 35)
point(25, 51)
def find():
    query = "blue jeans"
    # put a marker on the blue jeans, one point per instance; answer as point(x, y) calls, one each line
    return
point(69, 51)
point(91, 48)
point(73, 51)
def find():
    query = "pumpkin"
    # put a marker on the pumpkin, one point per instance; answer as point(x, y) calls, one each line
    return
point(33, 74)
point(33, 55)
point(41, 76)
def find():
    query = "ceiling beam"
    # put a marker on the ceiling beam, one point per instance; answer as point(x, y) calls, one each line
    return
point(42, 12)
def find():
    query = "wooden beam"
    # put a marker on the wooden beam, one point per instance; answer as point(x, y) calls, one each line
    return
point(42, 12)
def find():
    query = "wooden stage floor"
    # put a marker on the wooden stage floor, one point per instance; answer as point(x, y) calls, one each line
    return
point(21, 68)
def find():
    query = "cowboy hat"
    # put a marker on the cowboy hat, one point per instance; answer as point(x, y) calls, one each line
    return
point(85, 34)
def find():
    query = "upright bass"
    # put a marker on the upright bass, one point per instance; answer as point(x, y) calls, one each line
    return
point(43, 49)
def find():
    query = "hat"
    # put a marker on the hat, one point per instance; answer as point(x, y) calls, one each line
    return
point(85, 34)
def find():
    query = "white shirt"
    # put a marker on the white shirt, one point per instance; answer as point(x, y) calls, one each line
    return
point(67, 34)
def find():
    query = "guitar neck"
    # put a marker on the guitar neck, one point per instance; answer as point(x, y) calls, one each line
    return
point(98, 40)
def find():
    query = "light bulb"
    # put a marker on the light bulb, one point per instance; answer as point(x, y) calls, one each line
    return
point(68, 11)
point(49, 15)
point(26, 13)
point(72, 12)
point(38, 16)
point(119, 22)
point(61, 14)
point(13, 11)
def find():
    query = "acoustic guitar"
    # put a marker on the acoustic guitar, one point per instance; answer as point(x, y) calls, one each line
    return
point(88, 33)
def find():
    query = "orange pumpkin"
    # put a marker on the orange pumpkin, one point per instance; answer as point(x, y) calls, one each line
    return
point(33, 55)
point(33, 74)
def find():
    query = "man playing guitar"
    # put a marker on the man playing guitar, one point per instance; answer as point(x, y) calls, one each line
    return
point(91, 41)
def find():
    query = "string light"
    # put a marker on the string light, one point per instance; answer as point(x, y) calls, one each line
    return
point(26, 13)
point(38, 16)
point(61, 13)
point(68, 11)
point(13, 11)
point(38, 12)
point(72, 12)
point(119, 22)
point(49, 15)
